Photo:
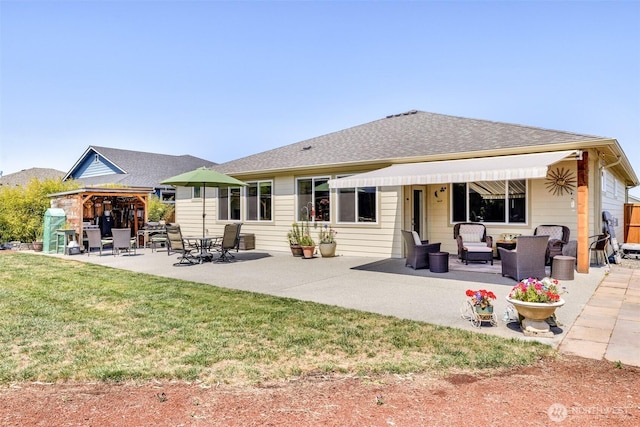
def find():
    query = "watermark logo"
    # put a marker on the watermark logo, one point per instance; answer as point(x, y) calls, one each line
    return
point(557, 412)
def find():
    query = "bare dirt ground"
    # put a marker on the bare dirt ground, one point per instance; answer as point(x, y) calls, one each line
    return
point(569, 391)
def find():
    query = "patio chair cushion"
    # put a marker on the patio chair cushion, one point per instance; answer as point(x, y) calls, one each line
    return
point(553, 231)
point(471, 237)
point(416, 238)
point(477, 248)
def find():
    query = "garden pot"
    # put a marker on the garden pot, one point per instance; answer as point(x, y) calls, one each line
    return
point(486, 310)
point(296, 250)
point(307, 251)
point(328, 249)
point(37, 246)
point(534, 316)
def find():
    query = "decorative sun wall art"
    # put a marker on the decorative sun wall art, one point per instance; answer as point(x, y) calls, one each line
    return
point(561, 180)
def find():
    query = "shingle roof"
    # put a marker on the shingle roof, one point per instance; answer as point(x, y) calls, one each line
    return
point(402, 136)
point(143, 169)
point(24, 176)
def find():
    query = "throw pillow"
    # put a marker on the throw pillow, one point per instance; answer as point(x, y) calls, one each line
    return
point(416, 238)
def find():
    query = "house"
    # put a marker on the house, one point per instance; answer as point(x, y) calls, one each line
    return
point(24, 176)
point(103, 165)
point(136, 174)
point(425, 172)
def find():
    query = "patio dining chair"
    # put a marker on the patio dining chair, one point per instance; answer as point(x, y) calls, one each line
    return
point(600, 246)
point(95, 240)
point(230, 240)
point(176, 244)
point(123, 241)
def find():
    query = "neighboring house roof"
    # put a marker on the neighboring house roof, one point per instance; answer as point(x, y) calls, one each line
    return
point(411, 136)
point(104, 165)
point(24, 176)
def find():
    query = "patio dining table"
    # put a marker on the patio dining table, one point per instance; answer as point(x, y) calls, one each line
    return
point(202, 245)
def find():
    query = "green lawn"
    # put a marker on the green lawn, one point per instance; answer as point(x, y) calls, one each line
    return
point(64, 319)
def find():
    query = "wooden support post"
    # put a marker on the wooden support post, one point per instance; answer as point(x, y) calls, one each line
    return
point(583, 214)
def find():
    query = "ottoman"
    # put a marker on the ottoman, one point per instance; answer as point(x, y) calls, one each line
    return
point(477, 253)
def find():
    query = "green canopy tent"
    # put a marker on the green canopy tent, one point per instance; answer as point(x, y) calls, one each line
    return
point(203, 177)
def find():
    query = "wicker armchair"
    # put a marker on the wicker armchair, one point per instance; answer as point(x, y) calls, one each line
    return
point(418, 254)
point(471, 234)
point(527, 260)
point(558, 236)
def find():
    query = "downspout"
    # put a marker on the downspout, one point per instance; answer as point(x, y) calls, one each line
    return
point(610, 165)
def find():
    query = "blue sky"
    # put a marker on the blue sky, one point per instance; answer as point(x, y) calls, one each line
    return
point(222, 80)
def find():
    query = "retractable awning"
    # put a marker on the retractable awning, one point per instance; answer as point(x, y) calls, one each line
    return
point(522, 166)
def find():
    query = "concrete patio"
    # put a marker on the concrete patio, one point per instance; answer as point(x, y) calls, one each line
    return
point(601, 317)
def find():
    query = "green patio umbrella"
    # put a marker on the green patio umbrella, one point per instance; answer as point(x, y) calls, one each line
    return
point(203, 177)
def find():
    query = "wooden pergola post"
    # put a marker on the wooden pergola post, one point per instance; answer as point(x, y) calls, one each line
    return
point(583, 213)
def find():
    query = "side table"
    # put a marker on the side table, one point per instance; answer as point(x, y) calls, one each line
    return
point(562, 267)
point(439, 262)
point(505, 244)
point(67, 237)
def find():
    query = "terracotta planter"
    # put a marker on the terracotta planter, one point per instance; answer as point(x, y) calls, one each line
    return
point(307, 251)
point(296, 250)
point(534, 316)
point(37, 246)
point(328, 250)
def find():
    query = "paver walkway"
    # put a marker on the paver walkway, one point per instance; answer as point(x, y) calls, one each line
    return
point(609, 325)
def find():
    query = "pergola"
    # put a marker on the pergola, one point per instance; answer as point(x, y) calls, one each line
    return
point(127, 206)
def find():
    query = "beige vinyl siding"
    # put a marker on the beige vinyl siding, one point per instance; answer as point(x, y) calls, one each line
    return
point(547, 208)
point(189, 212)
point(439, 229)
point(613, 199)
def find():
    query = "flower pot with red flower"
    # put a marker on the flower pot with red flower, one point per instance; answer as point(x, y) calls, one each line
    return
point(536, 301)
point(479, 308)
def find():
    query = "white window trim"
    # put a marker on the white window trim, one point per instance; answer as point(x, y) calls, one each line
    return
point(297, 197)
point(218, 204)
point(246, 203)
point(491, 223)
point(356, 222)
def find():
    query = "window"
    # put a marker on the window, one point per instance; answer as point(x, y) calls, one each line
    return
point(314, 199)
point(229, 204)
point(490, 201)
point(196, 192)
point(357, 204)
point(259, 201)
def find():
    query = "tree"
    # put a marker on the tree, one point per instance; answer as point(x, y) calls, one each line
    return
point(159, 210)
point(22, 208)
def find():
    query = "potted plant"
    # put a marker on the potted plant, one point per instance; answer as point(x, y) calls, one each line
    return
point(536, 301)
point(37, 241)
point(306, 241)
point(481, 300)
point(294, 235)
point(327, 239)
